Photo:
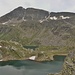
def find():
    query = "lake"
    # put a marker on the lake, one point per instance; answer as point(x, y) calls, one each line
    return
point(31, 47)
point(27, 67)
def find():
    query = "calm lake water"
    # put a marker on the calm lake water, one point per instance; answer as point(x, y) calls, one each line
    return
point(28, 67)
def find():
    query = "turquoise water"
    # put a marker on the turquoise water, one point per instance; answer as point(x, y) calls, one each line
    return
point(28, 67)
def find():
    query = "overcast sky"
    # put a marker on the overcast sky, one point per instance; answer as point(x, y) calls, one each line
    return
point(50, 5)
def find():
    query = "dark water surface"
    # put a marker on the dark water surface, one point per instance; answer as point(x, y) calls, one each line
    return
point(31, 47)
point(28, 67)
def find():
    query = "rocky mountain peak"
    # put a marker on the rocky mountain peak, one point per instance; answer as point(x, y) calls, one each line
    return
point(21, 13)
point(36, 14)
point(14, 14)
point(28, 14)
point(20, 7)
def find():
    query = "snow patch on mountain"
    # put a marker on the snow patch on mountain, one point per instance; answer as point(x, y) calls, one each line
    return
point(53, 18)
point(4, 23)
point(62, 17)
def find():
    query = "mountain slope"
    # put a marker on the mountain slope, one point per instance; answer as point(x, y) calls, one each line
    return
point(36, 27)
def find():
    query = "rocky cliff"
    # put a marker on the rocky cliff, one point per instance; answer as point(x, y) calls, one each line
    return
point(69, 65)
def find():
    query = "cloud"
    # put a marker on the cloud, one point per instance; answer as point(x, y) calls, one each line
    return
point(50, 5)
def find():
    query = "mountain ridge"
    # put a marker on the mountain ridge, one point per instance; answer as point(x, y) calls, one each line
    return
point(20, 12)
point(34, 14)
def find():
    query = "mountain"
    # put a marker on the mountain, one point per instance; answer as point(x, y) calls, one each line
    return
point(38, 27)
point(50, 31)
point(22, 13)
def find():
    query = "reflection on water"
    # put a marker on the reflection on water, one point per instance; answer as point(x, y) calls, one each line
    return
point(28, 67)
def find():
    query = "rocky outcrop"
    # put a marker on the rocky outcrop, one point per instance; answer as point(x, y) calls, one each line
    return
point(69, 65)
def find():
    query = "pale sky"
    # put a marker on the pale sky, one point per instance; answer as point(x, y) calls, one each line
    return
point(49, 5)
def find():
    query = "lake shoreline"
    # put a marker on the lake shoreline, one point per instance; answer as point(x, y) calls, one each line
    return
point(36, 60)
point(55, 64)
